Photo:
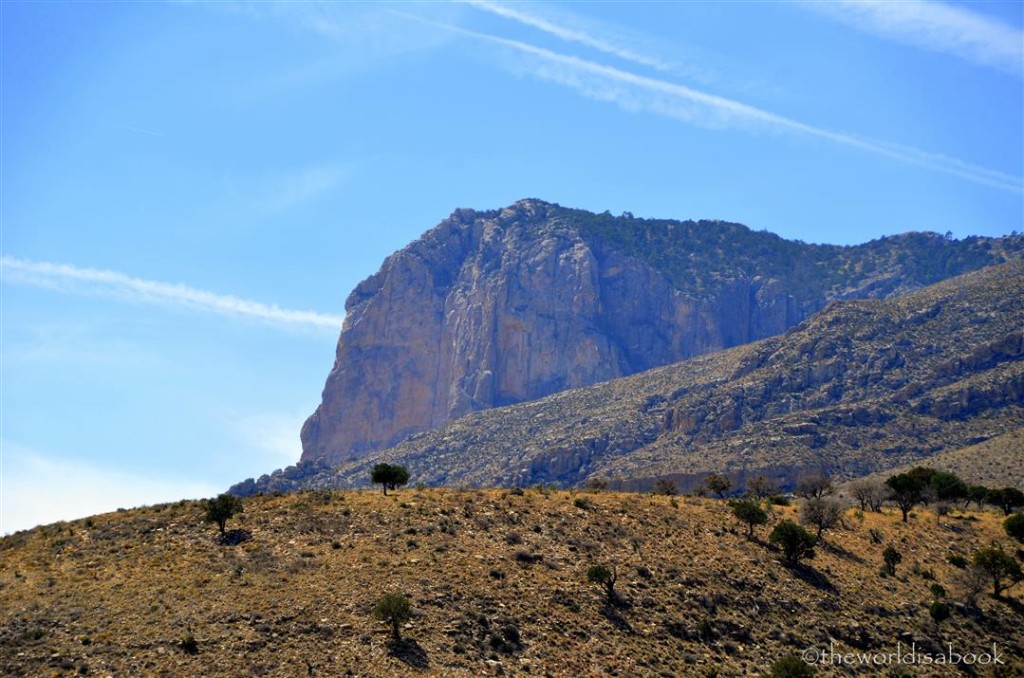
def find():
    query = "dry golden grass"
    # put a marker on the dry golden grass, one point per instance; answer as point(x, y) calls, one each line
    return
point(498, 583)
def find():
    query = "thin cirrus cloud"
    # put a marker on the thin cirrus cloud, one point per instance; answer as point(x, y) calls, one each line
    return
point(634, 92)
point(569, 34)
point(67, 278)
point(934, 26)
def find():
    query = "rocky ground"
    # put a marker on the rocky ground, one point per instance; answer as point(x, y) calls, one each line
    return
point(497, 580)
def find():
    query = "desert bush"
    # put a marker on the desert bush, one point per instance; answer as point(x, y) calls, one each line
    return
point(666, 487)
point(870, 494)
point(891, 557)
point(1008, 499)
point(939, 611)
point(718, 484)
point(822, 513)
point(796, 542)
point(814, 486)
point(749, 511)
point(791, 667)
point(389, 477)
point(998, 567)
point(1014, 526)
point(761, 486)
point(395, 609)
point(221, 509)
point(604, 576)
point(956, 560)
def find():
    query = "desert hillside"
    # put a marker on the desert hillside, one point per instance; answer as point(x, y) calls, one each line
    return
point(498, 583)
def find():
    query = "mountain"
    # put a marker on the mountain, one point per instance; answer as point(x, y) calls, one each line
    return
point(498, 585)
point(506, 306)
point(862, 386)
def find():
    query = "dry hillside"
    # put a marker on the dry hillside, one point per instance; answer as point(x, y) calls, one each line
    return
point(497, 579)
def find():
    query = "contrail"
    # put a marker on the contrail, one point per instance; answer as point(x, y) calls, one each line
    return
point(111, 283)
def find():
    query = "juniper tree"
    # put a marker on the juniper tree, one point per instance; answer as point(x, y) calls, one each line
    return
point(221, 509)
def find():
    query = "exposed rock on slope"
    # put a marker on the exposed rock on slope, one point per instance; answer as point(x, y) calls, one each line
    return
point(500, 307)
point(862, 386)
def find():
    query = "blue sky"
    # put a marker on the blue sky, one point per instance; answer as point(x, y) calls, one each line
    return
point(190, 190)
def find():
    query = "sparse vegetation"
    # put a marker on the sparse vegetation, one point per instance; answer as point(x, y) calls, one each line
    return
point(393, 608)
point(823, 513)
point(221, 509)
point(749, 511)
point(1000, 568)
point(891, 557)
point(718, 484)
point(791, 667)
point(796, 542)
point(869, 493)
point(604, 576)
point(1014, 526)
point(389, 477)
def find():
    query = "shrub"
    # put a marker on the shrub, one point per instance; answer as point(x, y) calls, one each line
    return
point(221, 509)
point(795, 541)
point(666, 487)
point(870, 494)
point(1008, 499)
point(999, 567)
point(395, 609)
point(791, 667)
point(595, 484)
point(718, 484)
point(939, 611)
point(1014, 526)
point(778, 500)
point(749, 511)
point(604, 576)
point(814, 486)
point(821, 512)
point(956, 560)
point(908, 490)
point(937, 590)
point(389, 477)
point(189, 644)
point(582, 503)
point(892, 558)
point(761, 486)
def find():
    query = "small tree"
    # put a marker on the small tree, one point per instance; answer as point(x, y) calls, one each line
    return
point(602, 575)
point(761, 486)
point(749, 511)
point(1009, 499)
point(823, 513)
point(977, 494)
point(908, 490)
point(1014, 526)
point(948, 487)
point(388, 476)
point(666, 487)
point(395, 609)
point(814, 486)
point(999, 567)
point(939, 611)
point(892, 558)
point(718, 483)
point(795, 541)
point(221, 509)
point(870, 494)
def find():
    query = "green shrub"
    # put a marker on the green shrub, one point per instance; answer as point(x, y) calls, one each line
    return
point(892, 558)
point(1014, 526)
point(791, 667)
point(604, 576)
point(749, 511)
point(796, 542)
point(221, 509)
point(999, 567)
point(395, 609)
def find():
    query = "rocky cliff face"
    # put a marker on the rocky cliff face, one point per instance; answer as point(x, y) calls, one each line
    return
point(500, 307)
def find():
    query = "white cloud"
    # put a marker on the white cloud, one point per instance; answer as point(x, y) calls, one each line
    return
point(571, 34)
point(636, 93)
point(36, 489)
point(934, 26)
point(66, 278)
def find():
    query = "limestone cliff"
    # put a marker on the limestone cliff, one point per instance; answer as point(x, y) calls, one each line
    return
point(499, 307)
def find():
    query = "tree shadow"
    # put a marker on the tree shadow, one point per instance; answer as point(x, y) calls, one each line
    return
point(409, 652)
point(233, 537)
point(811, 576)
point(612, 614)
point(840, 551)
point(1014, 604)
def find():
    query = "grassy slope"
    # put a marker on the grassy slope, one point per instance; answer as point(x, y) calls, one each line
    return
point(116, 594)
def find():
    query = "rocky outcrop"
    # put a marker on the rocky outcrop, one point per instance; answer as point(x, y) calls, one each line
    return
point(500, 307)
